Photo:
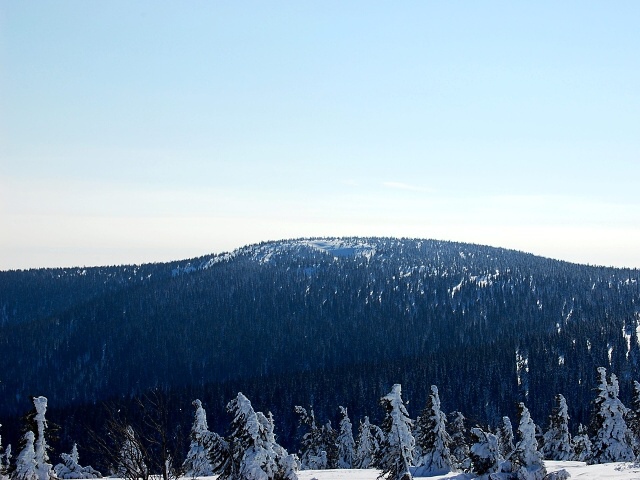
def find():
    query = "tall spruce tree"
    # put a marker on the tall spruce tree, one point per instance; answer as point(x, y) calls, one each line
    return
point(396, 453)
point(26, 465)
point(506, 438)
point(527, 460)
point(634, 418)
point(459, 442)
point(433, 440)
point(370, 439)
point(253, 451)
point(557, 439)
point(345, 443)
point(612, 440)
point(198, 463)
point(312, 455)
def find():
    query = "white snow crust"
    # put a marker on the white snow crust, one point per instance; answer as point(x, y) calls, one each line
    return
point(577, 470)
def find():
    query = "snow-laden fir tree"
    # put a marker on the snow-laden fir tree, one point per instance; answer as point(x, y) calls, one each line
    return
point(71, 469)
point(459, 443)
point(5, 462)
point(506, 438)
point(253, 451)
point(328, 444)
point(432, 440)
point(557, 439)
point(3, 467)
point(612, 440)
point(44, 469)
point(198, 463)
point(484, 452)
point(582, 449)
point(634, 418)
point(370, 438)
point(345, 443)
point(396, 454)
point(131, 459)
point(526, 460)
point(312, 455)
point(26, 464)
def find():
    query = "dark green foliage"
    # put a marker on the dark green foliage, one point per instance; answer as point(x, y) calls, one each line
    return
point(289, 324)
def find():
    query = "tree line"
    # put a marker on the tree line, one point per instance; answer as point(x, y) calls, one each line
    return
point(400, 447)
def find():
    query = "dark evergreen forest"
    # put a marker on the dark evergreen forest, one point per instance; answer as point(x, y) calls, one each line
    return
point(318, 323)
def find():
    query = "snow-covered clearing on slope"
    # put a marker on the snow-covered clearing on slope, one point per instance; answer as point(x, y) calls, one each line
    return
point(615, 471)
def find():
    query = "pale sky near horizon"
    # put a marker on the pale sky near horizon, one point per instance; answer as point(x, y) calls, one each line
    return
point(143, 131)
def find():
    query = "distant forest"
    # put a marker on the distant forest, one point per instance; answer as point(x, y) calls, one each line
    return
point(318, 323)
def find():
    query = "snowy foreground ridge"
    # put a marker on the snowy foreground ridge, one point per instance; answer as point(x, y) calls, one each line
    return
point(577, 470)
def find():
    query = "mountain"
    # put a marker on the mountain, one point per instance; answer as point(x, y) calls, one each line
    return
point(322, 322)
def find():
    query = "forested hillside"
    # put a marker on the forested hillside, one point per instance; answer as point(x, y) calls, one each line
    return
point(321, 322)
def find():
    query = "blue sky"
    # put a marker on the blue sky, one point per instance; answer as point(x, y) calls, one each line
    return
point(149, 131)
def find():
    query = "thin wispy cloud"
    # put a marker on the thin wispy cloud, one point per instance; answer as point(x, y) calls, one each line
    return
point(406, 186)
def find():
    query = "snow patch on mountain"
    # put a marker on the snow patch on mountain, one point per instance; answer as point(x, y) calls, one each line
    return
point(342, 248)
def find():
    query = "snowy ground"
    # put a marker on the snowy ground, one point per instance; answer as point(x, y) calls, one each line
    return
point(577, 470)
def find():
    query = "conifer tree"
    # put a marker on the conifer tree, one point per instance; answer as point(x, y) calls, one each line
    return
point(44, 469)
point(612, 440)
point(71, 469)
point(5, 461)
point(526, 459)
point(433, 441)
point(370, 439)
point(557, 440)
point(311, 451)
point(459, 443)
point(328, 444)
point(131, 458)
point(253, 451)
point(506, 438)
point(395, 456)
point(345, 443)
point(634, 417)
point(197, 463)
point(26, 465)
point(582, 449)
point(484, 452)
point(3, 467)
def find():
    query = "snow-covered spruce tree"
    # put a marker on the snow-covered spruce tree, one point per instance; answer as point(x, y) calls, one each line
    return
point(505, 438)
point(253, 451)
point(71, 469)
point(396, 453)
point(526, 460)
point(197, 463)
point(26, 465)
point(345, 442)
point(484, 452)
point(131, 458)
point(612, 440)
point(370, 438)
point(5, 462)
point(311, 452)
point(433, 441)
point(44, 469)
point(328, 444)
point(557, 440)
point(582, 449)
point(633, 418)
point(459, 443)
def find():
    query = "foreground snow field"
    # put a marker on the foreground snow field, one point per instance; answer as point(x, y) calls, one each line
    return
point(578, 470)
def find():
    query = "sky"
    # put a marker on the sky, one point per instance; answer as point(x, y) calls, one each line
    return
point(147, 131)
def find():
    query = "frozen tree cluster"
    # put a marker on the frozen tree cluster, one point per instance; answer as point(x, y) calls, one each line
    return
point(400, 447)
